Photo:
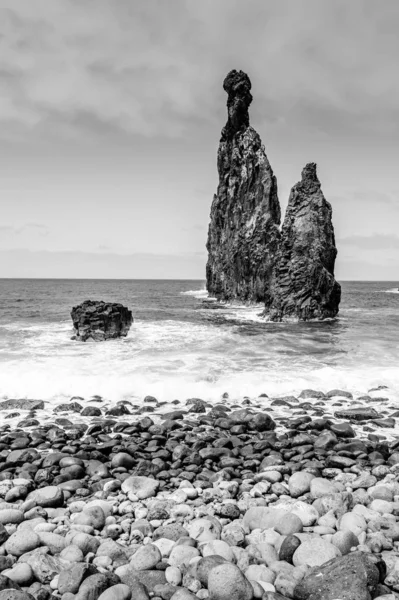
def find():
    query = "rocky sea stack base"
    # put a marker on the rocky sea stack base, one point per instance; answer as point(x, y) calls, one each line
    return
point(294, 497)
point(249, 259)
point(98, 321)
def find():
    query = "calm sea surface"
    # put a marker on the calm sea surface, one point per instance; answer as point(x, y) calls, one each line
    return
point(178, 349)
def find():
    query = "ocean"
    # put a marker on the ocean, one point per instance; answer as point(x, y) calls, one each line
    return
point(177, 349)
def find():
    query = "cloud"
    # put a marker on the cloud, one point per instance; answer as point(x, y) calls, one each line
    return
point(100, 265)
point(376, 197)
point(155, 68)
point(38, 228)
point(372, 242)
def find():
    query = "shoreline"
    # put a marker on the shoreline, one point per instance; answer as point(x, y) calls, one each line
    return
point(16, 412)
point(200, 501)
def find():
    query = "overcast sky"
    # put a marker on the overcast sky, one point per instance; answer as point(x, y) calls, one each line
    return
point(111, 111)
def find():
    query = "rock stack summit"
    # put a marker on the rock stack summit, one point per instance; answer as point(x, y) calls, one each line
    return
point(249, 259)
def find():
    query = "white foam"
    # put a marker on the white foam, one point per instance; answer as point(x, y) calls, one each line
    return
point(243, 313)
point(392, 291)
point(202, 293)
point(172, 359)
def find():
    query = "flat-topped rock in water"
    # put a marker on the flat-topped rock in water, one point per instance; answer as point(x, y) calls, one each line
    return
point(303, 285)
point(21, 404)
point(98, 321)
point(357, 414)
point(245, 215)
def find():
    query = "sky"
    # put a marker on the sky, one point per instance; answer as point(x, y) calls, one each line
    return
point(111, 112)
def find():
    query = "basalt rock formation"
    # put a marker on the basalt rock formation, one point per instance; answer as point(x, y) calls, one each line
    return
point(243, 232)
point(98, 321)
point(303, 285)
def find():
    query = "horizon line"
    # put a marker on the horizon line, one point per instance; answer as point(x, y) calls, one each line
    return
point(161, 279)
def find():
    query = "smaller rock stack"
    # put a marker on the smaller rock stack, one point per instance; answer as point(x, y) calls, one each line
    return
point(303, 285)
point(98, 321)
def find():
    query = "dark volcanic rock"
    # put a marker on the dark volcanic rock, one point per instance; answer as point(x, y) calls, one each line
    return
point(98, 321)
point(243, 233)
point(303, 285)
point(357, 414)
point(21, 404)
point(350, 577)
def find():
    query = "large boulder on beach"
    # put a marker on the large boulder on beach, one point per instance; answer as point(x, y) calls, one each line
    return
point(352, 577)
point(302, 284)
point(245, 215)
point(98, 321)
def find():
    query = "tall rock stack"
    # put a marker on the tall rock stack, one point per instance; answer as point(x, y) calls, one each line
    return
point(243, 232)
point(303, 285)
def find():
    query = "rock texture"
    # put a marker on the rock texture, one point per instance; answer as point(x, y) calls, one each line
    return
point(303, 285)
point(96, 320)
point(245, 215)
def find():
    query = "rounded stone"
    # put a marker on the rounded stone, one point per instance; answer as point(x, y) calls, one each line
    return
point(122, 459)
point(219, 548)
point(289, 524)
point(382, 506)
point(262, 517)
point(23, 540)
point(226, 582)
point(204, 530)
point(306, 512)
point(315, 552)
point(120, 591)
point(260, 573)
point(69, 580)
point(352, 522)
point(10, 515)
point(181, 556)
point(381, 492)
point(72, 554)
point(20, 573)
point(10, 594)
point(205, 566)
point(56, 543)
point(47, 497)
point(173, 575)
point(140, 487)
point(93, 517)
point(320, 487)
point(184, 594)
point(288, 548)
point(344, 541)
point(146, 558)
point(299, 483)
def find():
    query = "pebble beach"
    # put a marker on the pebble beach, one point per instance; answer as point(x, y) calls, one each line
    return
point(270, 498)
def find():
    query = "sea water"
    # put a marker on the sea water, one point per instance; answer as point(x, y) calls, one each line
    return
point(178, 349)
